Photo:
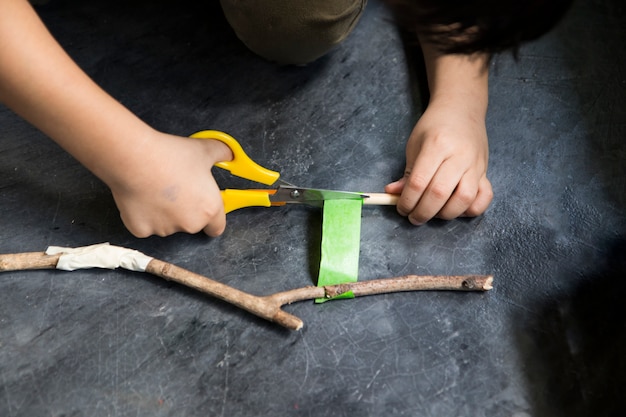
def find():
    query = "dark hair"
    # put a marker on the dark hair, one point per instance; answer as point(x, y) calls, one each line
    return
point(467, 26)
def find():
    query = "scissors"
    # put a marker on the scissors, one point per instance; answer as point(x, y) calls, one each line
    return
point(283, 193)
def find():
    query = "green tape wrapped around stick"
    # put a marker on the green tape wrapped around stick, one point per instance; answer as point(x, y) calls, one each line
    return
point(341, 241)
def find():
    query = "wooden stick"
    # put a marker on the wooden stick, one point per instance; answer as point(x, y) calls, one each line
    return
point(28, 260)
point(259, 306)
point(269, 307)
point(381, 199)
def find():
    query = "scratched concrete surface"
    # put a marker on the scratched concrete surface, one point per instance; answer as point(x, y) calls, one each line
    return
point(548, 340)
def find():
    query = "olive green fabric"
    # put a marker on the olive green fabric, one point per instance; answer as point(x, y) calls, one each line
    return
point(292, 31)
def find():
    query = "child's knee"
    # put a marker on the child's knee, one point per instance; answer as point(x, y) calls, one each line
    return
point(292, 31)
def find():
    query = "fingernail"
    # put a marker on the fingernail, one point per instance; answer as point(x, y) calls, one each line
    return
point(415, 222)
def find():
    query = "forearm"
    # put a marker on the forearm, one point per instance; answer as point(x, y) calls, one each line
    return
point(161, 183)
point(457, 80)
point(41, 83)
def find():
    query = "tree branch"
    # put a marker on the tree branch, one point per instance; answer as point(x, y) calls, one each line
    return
point(270, 307)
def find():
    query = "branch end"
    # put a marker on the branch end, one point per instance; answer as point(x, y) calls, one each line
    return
point(478, 283)
point(488, 285)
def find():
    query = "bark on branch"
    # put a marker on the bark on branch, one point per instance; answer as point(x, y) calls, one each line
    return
point(270, 307)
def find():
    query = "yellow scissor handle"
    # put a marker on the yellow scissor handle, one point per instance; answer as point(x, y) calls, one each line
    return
point(236, 199)
point(241, 165)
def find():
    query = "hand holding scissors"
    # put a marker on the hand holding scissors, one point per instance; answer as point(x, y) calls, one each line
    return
point(283, 192)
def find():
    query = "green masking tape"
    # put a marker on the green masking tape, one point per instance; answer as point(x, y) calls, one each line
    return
point(341, 241)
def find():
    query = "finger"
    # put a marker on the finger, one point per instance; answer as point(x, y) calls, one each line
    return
point(436, 194)
point(137, 226)
point(215, 229)
point(138, 230)
point(141, 228)
point(218, 152)
point(483, 199)
point(461, 199)
point(395, 187)
point(417, 180)
point(217, 218)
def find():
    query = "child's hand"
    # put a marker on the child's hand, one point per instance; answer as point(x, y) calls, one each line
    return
point(446, 166)
point(172, 188)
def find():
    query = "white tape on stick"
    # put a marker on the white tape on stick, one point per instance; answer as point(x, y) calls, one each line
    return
point(102, 255)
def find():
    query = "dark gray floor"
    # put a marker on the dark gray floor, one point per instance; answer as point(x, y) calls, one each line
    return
point(548, 340)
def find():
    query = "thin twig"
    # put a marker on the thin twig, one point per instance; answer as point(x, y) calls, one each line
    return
point(270, 307)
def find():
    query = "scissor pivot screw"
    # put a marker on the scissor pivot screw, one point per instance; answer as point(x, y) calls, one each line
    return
point(295, 194)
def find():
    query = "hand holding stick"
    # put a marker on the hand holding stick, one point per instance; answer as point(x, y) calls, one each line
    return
point(267, 307)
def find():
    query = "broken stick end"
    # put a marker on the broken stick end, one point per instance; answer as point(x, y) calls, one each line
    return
point(478, 283)
point(287, 320)
point(488, 285)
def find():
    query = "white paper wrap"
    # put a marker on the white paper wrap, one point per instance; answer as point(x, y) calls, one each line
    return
point(101, 255)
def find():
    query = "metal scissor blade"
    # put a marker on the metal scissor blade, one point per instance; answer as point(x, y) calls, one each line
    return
point(311, 196)
point(282, 183)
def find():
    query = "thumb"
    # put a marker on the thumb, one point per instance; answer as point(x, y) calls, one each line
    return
point(395, 187)
point(218, 151)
